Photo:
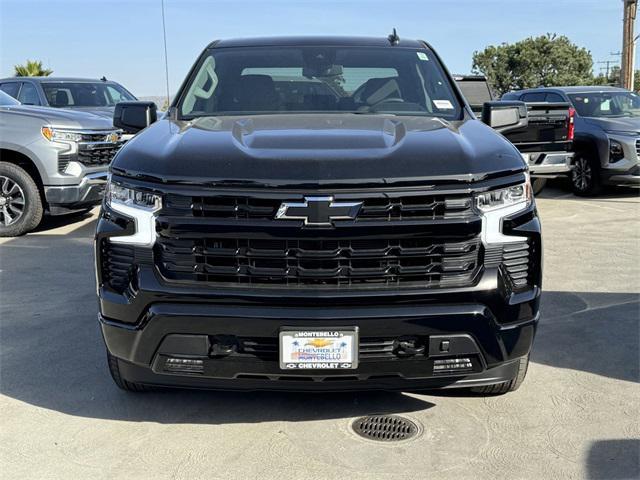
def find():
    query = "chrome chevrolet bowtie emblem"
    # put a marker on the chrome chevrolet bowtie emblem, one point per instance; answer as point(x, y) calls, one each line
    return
point(318, 211)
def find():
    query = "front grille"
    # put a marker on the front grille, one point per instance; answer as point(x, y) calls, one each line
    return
point(388, 207)
point(117, 265)
point(426, 261)
point(96, 156)
point(638, 147)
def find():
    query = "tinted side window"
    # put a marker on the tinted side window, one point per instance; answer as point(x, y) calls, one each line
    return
point(554, 97)
point(28, 95)
point(533, 97)
point(10, 88)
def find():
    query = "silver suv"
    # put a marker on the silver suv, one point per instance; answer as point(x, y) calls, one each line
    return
point(52, 160)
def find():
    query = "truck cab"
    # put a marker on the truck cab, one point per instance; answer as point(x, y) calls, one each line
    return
point(318, 214)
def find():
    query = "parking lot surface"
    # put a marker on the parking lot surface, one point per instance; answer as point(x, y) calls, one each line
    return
point(576, 416)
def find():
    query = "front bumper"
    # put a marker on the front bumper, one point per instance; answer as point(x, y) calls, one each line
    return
point(144, 350)
point(549, 165)
point(87, 193)
point(630, 178)
point(154, 319)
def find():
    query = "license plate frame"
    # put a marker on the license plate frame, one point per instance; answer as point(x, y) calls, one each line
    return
point(346, 356)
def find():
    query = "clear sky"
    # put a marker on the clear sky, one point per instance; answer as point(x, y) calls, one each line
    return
point(123, 39)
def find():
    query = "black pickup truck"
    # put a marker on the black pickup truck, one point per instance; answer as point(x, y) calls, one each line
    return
point(545, 141)
point(318, 214)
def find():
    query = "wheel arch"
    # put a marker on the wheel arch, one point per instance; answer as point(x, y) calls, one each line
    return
point(27, 164)
point(588, 145)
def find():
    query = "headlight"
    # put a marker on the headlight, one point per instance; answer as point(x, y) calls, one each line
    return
point(505, 197)
point(616, 152)
point(495, 205)
point(58, 135)
point(117, 194)
point(140, 206)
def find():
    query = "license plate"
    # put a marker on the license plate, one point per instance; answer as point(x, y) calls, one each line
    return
point(323, 348)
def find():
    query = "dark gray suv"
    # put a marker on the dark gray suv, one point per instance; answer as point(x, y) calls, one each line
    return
point(607, 133)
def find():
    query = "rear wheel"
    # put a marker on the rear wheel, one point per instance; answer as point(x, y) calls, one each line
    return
point(505, 387)
point(538, 184)
point(20, 202)
point(120, 381)
point(585, 176)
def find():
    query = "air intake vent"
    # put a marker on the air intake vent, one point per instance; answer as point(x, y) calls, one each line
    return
point(515, 260)
point(117, 265)
point(63, 162)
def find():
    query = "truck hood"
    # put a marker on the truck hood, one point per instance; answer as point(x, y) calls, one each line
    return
point(326, 149)
point(104, 112)
point(63, 118)
point(626, 124)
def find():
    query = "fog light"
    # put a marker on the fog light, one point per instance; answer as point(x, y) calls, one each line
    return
point(616, 152)
point(184, 365)
point(452, 365)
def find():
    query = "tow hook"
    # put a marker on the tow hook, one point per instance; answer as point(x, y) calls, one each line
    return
point(223, 345)
point(408, 347)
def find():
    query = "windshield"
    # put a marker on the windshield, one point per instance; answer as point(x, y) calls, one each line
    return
point(6, 100)
point(606, 104)
point(85, 94)
point(267, 80)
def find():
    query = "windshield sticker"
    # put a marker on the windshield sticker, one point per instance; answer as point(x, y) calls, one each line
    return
point(423, 56)
point(443, 104)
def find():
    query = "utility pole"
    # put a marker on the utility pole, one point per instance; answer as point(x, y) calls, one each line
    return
point(608, 64)
point(628, 37)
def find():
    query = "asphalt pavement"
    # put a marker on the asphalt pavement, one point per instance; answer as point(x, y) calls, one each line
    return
point(576, 416)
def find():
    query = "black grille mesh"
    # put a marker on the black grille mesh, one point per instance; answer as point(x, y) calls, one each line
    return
point(97, 156)
point(346, 262)
point(246, 207)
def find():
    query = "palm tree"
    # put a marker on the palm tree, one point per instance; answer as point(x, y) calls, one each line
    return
point(33, 68)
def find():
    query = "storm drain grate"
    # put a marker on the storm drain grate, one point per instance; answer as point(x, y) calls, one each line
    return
point(385, 428)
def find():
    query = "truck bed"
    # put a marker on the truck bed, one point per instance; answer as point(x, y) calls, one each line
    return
point(547, 130)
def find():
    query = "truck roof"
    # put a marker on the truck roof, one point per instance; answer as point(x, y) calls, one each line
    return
point(57, 79)
point(324, 41)
point(575, 89)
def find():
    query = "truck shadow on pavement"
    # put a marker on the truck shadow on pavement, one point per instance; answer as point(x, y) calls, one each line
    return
point(52, 356)
point(613, 459)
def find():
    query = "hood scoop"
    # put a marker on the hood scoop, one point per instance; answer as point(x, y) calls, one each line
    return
point(309, 133)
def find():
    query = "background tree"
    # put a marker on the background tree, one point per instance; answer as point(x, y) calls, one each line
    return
point(547, 60)
point(33, 68)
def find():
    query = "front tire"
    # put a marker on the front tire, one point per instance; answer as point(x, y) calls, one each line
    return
point(505, 387)
point(120, 381)
point(585, 176)
point(20, 203)
point(538, 184)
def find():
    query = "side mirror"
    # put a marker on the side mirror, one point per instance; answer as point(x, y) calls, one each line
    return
point(132, 117)
point(505, 116)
